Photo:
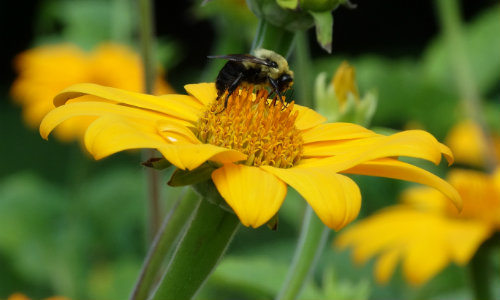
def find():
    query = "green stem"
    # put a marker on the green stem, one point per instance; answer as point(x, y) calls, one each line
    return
point(480, 269)
point(121, 25)
point(163, 244)
point(303, 67)
point(226, 42)
point(273, 38)
point(147, 44)
point(449, 16)
point(147, 51)
point(311, 242)
point(202, 246)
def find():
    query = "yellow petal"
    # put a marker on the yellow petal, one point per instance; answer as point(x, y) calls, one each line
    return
point(468, 143)
point(188, 156)
point(307, 117)
point(172, 106)
point(186, 100)
point(425, 198)
point(204, 92)
point(447, 153)
point(110, 134)
point(253, 194)
point(365, 235)
point(464, 238)
point(411, 143)
point(174, 133)
point(424, 258)
point(335, 198)
point(392, 168)
point(336, 131)
point(91, 108)
point(386, 263)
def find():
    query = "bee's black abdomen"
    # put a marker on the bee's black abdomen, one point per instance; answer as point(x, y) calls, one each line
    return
point(233, 70)
point(266, 68)
point(227, 76)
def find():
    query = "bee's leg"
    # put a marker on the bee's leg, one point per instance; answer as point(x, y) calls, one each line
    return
point(231, 89)
point(276, 89)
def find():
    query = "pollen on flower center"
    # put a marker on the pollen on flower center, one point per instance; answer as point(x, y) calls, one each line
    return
point(262, 129)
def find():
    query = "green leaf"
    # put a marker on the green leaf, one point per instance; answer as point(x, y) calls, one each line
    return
point(30, 211)
point(288, 4)
point(324, 29)
point(482, 43)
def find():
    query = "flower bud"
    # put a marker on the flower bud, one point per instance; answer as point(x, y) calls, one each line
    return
point(340, 101)
point(320, 5)
point(288, 17)
point(344, 83)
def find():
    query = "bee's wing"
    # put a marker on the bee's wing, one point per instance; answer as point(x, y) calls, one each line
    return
point(245, 57)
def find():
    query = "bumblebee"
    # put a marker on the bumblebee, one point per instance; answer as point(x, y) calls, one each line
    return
point(266, 68)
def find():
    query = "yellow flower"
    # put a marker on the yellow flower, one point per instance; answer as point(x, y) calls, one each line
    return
point(425, 232)
point(44, 71)
point(340, 101)
point(20, 296)
point(468, 144)
point(344, 83)
point(257, 147)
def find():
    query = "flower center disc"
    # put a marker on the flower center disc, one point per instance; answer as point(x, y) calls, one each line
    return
point(260, 128)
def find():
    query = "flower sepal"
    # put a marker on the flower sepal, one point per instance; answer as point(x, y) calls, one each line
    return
point(280, 16)
point(189, 177)
point(358, 111)
point(209, 192)
point(273, 223)
point(157, 163)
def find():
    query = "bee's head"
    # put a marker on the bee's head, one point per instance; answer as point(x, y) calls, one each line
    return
point(279, 65)
point(285, 81)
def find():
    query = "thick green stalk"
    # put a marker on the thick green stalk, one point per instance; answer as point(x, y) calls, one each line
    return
point(305, 82)
point(311, 242)
point(173, 226)
point(480, 268)
point(273, 38)
point(449, 16)
point(147, 44)
point(149, 64)
point(121, 21)
point(480, 279)
point(202, 246)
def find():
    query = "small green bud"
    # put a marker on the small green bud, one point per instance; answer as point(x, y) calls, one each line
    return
point(320, 5)
point(286, 16)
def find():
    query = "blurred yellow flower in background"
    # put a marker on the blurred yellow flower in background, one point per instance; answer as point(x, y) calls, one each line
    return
point(468, 145)
point(252, 148)
point(425, 232)
point(44, 71)
point(20, 296)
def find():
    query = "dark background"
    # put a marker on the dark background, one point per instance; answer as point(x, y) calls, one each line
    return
point(373, 27)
